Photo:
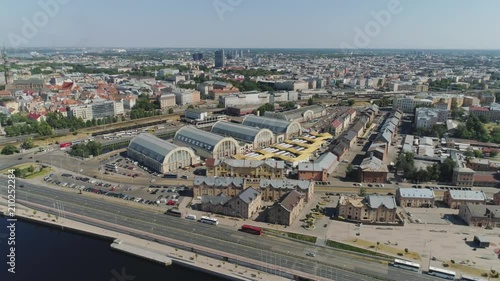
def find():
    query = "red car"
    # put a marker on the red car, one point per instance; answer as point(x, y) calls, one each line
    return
point(170, 203)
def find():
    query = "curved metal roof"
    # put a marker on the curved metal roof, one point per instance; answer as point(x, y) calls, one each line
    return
point(152, 147)
point(237, 131)
point(275, 125)
point(198, 138)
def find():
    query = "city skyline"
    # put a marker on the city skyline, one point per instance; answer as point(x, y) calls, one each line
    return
point(384, 24)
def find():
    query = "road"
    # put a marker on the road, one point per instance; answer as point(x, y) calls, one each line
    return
point(328, 262)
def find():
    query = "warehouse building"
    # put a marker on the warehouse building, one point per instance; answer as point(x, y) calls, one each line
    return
point(160, 155)
point(302, 114)
point(258, 137)
point(281, 128)
point(206, 144)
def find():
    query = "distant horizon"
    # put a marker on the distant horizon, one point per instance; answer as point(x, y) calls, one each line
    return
point(256, 24)
point(250, 48)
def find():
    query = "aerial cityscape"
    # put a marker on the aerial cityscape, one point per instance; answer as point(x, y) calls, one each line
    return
point(182, 148)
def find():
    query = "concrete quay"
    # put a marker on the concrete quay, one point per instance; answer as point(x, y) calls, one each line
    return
point(140, 252)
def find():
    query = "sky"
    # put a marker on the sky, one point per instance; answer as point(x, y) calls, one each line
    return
point(398, 24)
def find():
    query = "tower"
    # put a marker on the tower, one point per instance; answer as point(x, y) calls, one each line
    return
point(6, 66)
point(220, 60)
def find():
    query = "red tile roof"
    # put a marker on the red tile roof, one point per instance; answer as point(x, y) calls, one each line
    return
point(484, 178)
point(5, 93)
point(478, 108)
point(34, 116)
point(336, 123)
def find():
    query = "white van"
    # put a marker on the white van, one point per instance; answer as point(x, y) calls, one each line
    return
point(191, 217)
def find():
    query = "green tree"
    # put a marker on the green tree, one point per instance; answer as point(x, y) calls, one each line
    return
point(264, 108)
point(362, 191)
point(28, 143)
point(446, 169)
point(9, 149)
point(484, 119)
point(170, 110)
point(406, 164)
point(351, 102)
point(190, 106)
point(31, 169)
point(310, 101)
point(94, 148)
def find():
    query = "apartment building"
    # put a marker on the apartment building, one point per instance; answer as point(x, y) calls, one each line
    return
point(415, 198)
point(269, 169)
point(244, 205)
point(455, 198)
point(428, 117)
point(287, 209)
point(370, 209)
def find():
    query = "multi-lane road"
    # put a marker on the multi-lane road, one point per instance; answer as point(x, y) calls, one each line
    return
point(328, 263)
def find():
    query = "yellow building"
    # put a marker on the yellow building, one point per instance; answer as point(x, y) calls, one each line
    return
point(269, 169)
point(371, 209)
point(270, 189)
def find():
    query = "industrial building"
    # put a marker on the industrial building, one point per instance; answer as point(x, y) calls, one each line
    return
point(160, 155)
point(258, 137)
point(303, 114)
point(206, 144)
point(281, 128)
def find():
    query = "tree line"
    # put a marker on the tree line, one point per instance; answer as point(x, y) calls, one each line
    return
point(405, 165)
point(86, 149)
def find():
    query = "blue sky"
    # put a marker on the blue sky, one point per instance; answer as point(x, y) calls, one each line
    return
point(435, 24)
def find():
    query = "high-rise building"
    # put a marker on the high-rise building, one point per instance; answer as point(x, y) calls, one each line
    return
point(220, 59)
point(197, 56)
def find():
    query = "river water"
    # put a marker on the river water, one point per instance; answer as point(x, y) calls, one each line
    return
point(45, 253)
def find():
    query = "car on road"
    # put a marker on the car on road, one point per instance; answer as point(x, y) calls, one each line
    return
point(311, 254)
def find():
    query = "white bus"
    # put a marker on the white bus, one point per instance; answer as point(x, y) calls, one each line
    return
point(408, 265)
point(470, 278)
point(442, 273)
point(209, 220)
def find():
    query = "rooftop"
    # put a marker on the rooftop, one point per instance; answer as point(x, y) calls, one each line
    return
point(467, 195)
point(416, 193)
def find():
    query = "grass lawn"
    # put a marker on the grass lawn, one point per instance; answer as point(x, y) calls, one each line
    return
point(469, 270)
point(361, 103)
point(382, 248)
point(20, 166)
point(490, 126)
point(43, 172)
point(298, 236)
point(352, 248)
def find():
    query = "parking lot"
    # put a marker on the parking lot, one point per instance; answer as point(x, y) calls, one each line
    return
point(444, 216)
point(152, 195)
point(442, 188)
